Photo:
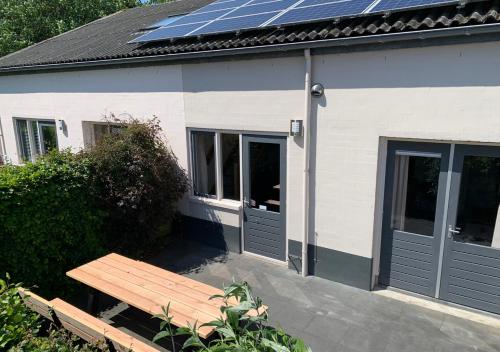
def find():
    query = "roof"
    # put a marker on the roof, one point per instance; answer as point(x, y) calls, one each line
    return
point(108, 38)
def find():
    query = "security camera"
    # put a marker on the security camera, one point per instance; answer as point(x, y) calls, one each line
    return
point(317, 90)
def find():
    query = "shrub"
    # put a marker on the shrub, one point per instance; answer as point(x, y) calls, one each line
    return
point(56, 341)
point(238, 331)
point(16, 320)
point(48, 221)
point(138, 182)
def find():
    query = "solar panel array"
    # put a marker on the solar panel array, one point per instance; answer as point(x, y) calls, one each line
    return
point(234, 15)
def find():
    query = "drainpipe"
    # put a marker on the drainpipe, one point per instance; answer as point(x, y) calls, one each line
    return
point(307, 137)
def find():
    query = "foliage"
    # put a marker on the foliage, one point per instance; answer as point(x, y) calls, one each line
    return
point(56, 341)
point(25, 22)
point(138, 182)
point(16, 320)
point(48, 220)
point(238, 330)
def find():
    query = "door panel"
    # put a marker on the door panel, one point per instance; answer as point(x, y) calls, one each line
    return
point(413, 215)
point(471, 265)
point(264, 187)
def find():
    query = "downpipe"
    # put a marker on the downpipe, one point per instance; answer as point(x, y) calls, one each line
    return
point(307, 138)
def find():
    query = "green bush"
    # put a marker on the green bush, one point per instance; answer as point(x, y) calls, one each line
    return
point(48, 221)
point(138, 182)
point(237, 331)
point(17, 322)
point(56, 341)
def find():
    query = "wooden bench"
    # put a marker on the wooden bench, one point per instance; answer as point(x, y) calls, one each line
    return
point(87, 327)
point(149, 288)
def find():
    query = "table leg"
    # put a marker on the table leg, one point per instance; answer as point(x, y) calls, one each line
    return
point(93, 301)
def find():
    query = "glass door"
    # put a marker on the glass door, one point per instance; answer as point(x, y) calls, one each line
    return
point(264, 191)
point(471, 264)
point(413, 215)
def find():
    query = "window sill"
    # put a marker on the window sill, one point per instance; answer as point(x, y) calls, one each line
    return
point(222, 203)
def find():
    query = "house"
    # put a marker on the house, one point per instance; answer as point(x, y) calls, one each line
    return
point(368, 146)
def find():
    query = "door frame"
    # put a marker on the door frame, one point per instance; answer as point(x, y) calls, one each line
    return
point(245, 163)
point(415, 148)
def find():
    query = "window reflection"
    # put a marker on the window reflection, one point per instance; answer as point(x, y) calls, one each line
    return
point(478, 201)
point(416, 180)
point(203, 146)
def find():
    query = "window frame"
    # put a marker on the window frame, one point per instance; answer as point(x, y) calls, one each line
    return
point(219, 187)
point(31, 138)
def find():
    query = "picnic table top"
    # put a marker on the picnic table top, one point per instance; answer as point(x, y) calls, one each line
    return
point(149, 288)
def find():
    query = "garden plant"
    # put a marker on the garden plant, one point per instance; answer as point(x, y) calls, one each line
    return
point(238, 331)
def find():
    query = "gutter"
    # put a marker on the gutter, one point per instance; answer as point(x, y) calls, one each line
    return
point(307, 142)
point(490, 28)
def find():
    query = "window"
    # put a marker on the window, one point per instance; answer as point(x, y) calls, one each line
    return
point(203, 144)
point(94, 132)
point(216, 164)
point(230, 144)
point(35, 137)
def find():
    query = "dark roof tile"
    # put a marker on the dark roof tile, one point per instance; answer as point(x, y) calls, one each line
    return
point(108, 38)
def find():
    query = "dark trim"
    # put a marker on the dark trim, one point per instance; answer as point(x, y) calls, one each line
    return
point(345, 268)
point(472, 33)
point(214, 234)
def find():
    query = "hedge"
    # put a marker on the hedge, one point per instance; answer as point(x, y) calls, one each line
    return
point(49, 222)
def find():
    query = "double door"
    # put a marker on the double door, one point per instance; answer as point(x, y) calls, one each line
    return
point(441, 232)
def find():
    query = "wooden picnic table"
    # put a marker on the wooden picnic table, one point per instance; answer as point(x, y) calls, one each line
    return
point(149, 288)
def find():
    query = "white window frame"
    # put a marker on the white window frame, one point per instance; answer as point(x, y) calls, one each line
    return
point(219, 187)
point(31, 138)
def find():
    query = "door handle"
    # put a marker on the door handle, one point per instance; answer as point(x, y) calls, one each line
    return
point(452, 231)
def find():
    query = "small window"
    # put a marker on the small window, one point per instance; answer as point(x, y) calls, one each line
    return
point(204, 164)
point(35, 137)
point(230, 144)
point(94, 132)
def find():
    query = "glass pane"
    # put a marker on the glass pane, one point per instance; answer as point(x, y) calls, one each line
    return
point(99, 132)
point(49, 136)
point(36, 137)
point(203, 145)
point(478, 201)
point(24, 139)
point(231, 166)
point(265, 176)
point(416, 180)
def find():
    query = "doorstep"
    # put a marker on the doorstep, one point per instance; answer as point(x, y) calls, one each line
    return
point(471, 314)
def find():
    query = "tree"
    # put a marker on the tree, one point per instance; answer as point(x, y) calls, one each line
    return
point(25, 22)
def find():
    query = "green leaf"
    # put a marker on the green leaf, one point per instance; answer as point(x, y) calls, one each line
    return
point(161, 335)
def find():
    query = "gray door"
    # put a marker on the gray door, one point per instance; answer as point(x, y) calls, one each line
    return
point(264, 182)
point(413, 215)
point(471, 263)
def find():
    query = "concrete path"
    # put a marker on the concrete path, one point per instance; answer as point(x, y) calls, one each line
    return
point(331, 316)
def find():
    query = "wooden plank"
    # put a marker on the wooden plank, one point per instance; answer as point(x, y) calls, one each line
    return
point(168, 283)
point(181, 297)
point(36, 303)
point(97, 329)
point(178, 279)
point(160, 299)
point(137, 299)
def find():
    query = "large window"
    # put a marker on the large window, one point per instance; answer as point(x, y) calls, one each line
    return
point(216, 164)
point(35, 137)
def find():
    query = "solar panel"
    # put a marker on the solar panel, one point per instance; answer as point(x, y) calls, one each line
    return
point(233, 15)
point(311, 10)
point(236, 23)
point(391, 5)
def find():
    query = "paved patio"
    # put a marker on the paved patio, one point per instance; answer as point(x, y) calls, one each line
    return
point(327, 315)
